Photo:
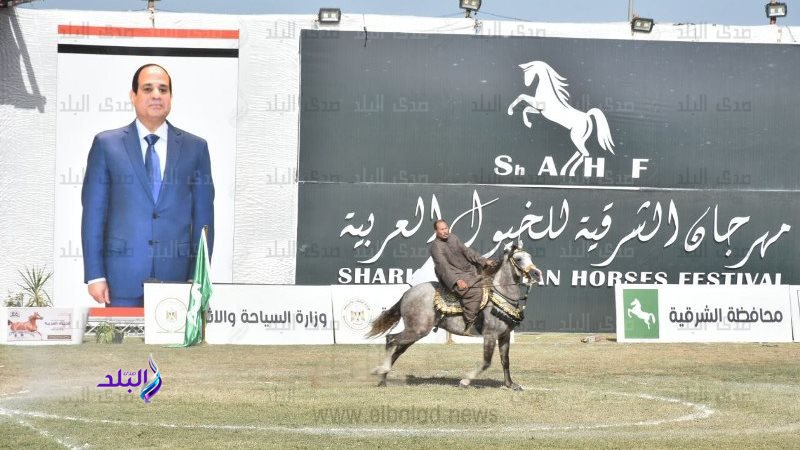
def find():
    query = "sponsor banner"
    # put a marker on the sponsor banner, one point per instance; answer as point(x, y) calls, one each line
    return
point(269, 315)
point(43, 326)
point(674, 313)
point(422, 108)
point(165, 307)
point(355, 307)
point(796, 313)
point(584, 241)
point(91, 101)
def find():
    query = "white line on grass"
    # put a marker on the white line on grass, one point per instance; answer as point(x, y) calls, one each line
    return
point(700, 412)
point(42, 432)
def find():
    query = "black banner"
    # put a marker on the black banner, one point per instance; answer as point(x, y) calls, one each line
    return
point(644, 162)
point(406, 108)
point(584, 241)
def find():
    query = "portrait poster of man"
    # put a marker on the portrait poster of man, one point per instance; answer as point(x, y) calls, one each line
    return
point(111, 189)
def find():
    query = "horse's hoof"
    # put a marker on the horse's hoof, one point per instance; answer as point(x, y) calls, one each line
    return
point(463, 384)
point(514, 387)
point(380, 370)
point(382, 383)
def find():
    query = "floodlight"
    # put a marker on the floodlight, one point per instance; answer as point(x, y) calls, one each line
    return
point(642, 25)
point(329, 15)
point(469, 6)
point(775, 10)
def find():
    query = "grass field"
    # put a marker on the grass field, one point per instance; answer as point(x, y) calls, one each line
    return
point(601, 394)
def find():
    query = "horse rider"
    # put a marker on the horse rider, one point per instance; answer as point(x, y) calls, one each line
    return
point(455, 265)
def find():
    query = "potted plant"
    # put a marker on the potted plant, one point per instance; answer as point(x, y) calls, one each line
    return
point(105, 333)
point(33, 281)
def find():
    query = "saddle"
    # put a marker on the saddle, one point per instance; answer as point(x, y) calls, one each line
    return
point(447, 303)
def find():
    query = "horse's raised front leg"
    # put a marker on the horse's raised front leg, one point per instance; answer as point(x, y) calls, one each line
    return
point(505, 345)
point(521, 98)
point(526, 111)
point(488, 351)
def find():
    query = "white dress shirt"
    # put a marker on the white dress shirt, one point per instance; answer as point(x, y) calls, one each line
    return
point(160, 146)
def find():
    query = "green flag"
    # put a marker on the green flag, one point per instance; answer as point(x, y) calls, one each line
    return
point(199, 295)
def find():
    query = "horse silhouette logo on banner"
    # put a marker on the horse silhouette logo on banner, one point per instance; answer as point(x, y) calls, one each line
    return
point(550, 99)
point(636, 310)
point(640, 313)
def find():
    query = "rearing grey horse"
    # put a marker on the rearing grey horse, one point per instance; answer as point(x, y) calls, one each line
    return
point(510, 284)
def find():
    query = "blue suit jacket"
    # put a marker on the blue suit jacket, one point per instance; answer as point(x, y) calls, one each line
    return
point(128, 236)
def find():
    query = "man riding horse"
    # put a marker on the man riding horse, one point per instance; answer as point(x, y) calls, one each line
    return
point(510, 285)
point(455, 266)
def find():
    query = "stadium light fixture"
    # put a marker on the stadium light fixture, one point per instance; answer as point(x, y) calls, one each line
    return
point(775, 10)
point(329, 16)
point(469, 6)
point(642, 25)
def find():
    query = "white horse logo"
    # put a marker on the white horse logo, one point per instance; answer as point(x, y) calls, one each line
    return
point(550, 100)
point(636, 310)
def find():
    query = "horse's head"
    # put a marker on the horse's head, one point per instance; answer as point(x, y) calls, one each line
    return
point(635, 303)
point(530, 69)
point(546, 75)
point(35, 316)
point(522, 263)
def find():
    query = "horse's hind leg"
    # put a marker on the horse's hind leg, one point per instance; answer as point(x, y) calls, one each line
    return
point(387, 361)
point(391, 358)
point(505, 345)
point(578, 134)
point(396, 345)
point(488, 351)
point(574, 159)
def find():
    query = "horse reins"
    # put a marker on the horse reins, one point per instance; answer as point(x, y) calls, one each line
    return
point(523, 271)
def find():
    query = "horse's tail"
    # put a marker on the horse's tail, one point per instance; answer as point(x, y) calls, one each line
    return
point(386, 321)
point(603, 131)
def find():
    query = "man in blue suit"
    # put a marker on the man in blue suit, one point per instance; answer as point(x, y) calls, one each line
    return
point(146, 196)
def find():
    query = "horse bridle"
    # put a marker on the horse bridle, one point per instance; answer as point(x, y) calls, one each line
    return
point(525, 272)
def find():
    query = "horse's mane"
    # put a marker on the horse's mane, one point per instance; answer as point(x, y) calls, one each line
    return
point(558, 82)
point(487, 274)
